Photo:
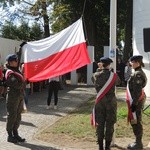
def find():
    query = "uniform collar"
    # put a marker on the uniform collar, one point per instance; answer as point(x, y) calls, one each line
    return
point(137, 68)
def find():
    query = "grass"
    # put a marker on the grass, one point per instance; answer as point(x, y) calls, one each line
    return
point(77, 123)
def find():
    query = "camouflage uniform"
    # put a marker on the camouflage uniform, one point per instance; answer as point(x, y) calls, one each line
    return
point(14, 101)
point(105, 109)
point(136, 83)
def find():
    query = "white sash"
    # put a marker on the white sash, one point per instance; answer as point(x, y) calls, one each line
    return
point(131, 115)
point(102, 93)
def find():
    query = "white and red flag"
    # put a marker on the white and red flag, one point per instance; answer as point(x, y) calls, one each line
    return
point(57, 54)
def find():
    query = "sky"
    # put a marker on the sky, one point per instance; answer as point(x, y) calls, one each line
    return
point(13, 14)
point(9, 14)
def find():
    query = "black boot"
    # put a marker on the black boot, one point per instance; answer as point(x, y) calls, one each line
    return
point(136, 145)
point(17, 137)
point(107, 145)
point(11, 138)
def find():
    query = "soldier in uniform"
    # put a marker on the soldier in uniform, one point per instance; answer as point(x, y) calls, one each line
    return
point(106, 107)
point(14, 99)
point(136, 83)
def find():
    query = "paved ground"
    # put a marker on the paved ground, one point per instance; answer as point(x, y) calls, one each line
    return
point(38, 117)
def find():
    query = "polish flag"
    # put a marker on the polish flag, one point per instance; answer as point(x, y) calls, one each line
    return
point(57, 54)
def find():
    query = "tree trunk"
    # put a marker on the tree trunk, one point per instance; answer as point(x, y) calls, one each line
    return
point(128, 31)
point(46, 19)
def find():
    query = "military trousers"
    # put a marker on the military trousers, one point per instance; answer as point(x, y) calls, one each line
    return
point(14, 110)
point(106, 111)
point(138, 128)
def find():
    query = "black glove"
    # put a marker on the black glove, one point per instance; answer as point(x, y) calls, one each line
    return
point(133, 107)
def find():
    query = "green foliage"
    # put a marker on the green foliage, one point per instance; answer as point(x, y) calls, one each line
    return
point(36, 32)
point(61, 17)
point(22, 32)
point(33, 9)
point(96, 17)
point(9, 31)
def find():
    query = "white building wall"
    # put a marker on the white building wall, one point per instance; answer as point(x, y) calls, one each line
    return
point(141, 20)
point(8, 46)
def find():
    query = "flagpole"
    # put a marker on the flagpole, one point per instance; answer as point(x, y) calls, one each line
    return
point(112, 44)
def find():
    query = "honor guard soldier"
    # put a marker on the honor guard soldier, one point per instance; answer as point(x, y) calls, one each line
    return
point(135, 100)
point(14, 98)
point(105, 110)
